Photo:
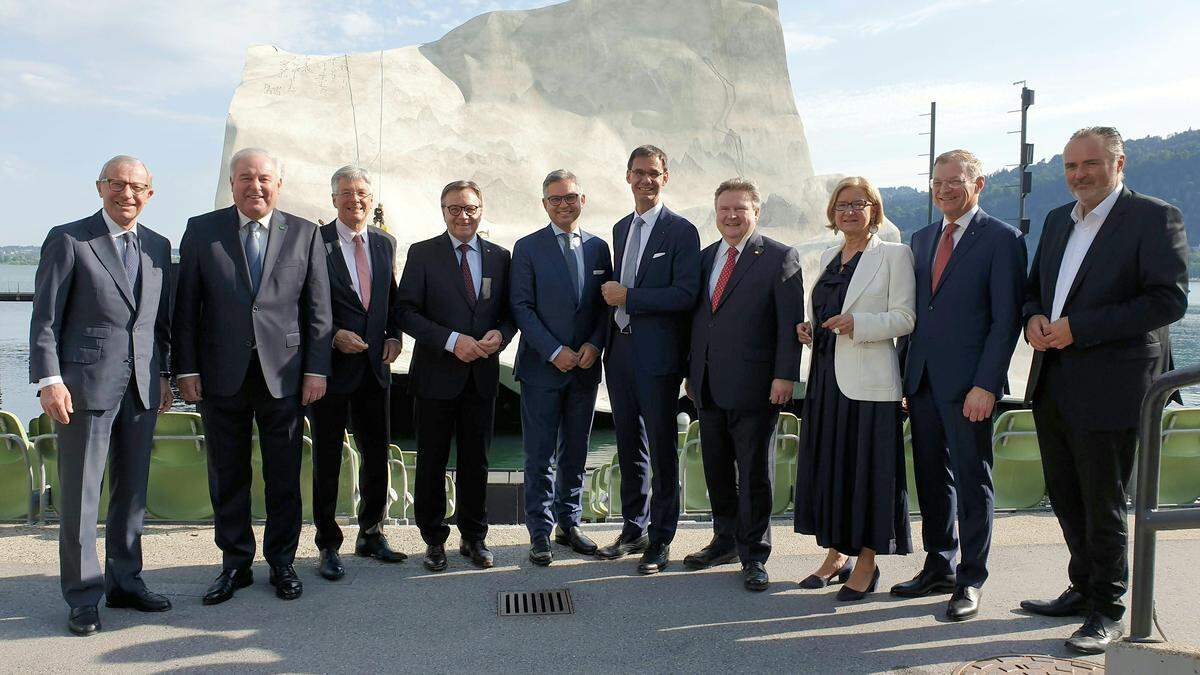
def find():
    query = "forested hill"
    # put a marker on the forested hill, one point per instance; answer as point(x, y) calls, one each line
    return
point(1164, 167)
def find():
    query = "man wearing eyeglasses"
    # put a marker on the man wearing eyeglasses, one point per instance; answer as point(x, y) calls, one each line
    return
point(99, 341)
point(556, 302)
point(969, 269)
point(366, 339)
point(657, 280)
point(453, 299)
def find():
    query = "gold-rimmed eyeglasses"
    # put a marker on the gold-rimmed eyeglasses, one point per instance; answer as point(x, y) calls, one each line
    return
point(118, 186)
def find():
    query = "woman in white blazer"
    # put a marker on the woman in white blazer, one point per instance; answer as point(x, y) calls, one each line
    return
point(850, 482)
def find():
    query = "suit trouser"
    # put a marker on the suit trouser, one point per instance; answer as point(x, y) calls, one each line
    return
point(1086, 477)
point(555, 426)
point(367, 408)
point(739, 471)
point(227, 432)
point(466, 419)
point(952, 460)
point(644, 408)
point(122, 437)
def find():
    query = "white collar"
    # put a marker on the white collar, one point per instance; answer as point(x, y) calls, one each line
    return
point(244, 220)
point(741, 245)
point(1100, 213)
point(964, 220)
point(347, 235)
point(455, 242)
point(577, 232)
point(650, 217)
point(115, 230)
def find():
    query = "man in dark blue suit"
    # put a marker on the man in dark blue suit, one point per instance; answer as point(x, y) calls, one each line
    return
point(554, 290)
point(658, 279)
point(969, 269)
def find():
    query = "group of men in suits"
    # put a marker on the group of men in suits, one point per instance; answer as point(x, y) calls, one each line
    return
point(273, 314)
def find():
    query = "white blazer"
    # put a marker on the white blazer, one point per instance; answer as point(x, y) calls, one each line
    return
point(882, 298)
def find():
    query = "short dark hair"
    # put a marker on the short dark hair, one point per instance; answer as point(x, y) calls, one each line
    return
point(646, 151)
point(460, 185)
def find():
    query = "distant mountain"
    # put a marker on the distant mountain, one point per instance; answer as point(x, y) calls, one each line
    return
point(19, 255)
point(1164, 167)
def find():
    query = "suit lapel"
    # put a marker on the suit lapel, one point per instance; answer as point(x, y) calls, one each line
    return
point(868, 265)
point(707, 258)
point(553, 251)
point(751, 252)
point(380, 269)
point(146, 264)
point(106, 250)
point(656, 238)
point(969, 237)
point(1059, 233)
point(620, 234)
point(450, 256)
point(231, 241)
point(276, 233)
point(1111, 223)
point(333, 249)
point(929, 250)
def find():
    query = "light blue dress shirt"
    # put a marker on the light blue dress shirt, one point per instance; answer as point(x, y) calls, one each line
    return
point(475, 262)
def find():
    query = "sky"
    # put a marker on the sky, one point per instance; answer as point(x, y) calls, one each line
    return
point(81, 81)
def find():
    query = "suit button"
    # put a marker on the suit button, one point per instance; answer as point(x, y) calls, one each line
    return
point(250, 343)
point(255, 308)
point(710, 324)
point(931, 308)
point(129, 360)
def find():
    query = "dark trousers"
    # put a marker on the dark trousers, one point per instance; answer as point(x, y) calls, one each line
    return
point(121, 437)
point(739, 470)
point(467, 420)
point(555, 426)
point(367, 408)
point(952, 460)
point(227, 433)
point(644, 408)
point(1087, 474)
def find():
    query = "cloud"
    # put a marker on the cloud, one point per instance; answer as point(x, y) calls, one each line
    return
point(797, 40)
point(918, 16)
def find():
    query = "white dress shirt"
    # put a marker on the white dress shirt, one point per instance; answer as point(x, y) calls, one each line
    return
point(475, 262)
point(719, 262)
point(963, 221)
point(650, 217)
point(1082, 236)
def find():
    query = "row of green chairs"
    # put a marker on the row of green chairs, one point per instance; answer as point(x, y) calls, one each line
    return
point(402, 466)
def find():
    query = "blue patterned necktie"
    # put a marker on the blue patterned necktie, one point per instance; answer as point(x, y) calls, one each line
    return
point(253, 258)
point(130, 258)
point(629, 267)
point(572, 263)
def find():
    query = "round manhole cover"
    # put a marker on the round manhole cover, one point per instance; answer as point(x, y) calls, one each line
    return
point(1029, 664)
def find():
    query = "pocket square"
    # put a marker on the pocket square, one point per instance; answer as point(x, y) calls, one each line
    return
point(597, 273)
point(658, 255)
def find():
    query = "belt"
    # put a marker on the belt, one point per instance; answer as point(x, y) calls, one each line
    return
point(627, 330)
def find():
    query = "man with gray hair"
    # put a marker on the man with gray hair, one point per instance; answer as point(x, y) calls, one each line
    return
point(252, 346)
point(366, 340)
point(563, 328)
point(1109, 278)
point(99, 342)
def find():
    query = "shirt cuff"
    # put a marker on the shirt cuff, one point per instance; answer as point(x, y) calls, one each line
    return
point(555, 354)
point(183, 375)
point(315, 375)
point(47, 381)
point(450, 342)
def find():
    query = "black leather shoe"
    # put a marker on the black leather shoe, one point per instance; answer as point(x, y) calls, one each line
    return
point(623, 546)
point(143, 601)
point(539, 551)
point(286, 582)
point(1070, 602)
point(925, 583)
point(712, 554)
point(813, 582)
point(84, 621)
point(655, 559)
point(229, 580)
point(964, 604)
point(576, 539)
point(754, 576)
point(377, 547)
point(1095, 634)
point(329, 565)
point(435, 558)
point(847, 594)
point(480, 555)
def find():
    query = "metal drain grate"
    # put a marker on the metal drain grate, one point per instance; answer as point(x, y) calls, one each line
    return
point(539, 603)
point(1030, 664)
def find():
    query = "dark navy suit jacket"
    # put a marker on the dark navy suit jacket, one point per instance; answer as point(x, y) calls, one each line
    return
point(967, 328)
point(663, 294)
point(547, 312)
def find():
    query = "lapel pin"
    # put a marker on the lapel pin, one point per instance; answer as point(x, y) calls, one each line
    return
point(282, 227)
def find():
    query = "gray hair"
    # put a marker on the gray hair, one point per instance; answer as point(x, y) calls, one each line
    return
point(349, 172)
point(125, 159)
point(1109, 136)
point(970, 162)
point(556, 176)
point(739, 185)
point(254, 152)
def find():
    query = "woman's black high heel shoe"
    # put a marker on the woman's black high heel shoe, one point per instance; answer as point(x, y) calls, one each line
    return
point(813, 581)
point(847, 594)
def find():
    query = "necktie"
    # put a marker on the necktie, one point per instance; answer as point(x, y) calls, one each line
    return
point(466, 272)
point(130, 258)
point(253, 257)
point(572, 263)
point(944, 249)
point(629, 267)
point(361, 266)
point(726, 272)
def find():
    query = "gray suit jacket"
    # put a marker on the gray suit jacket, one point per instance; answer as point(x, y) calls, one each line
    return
point(219, 321)
point(89, 326)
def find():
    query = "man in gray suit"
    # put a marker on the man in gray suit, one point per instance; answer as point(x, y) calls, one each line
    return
point(98, 351)
point(252, 344)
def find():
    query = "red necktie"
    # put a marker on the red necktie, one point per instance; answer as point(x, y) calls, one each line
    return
point(944, 249)
point(726, 272)
point(466, 272)
point(364, 272)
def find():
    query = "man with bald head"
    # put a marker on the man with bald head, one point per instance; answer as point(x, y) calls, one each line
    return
point(252, 346)
point(98, 352)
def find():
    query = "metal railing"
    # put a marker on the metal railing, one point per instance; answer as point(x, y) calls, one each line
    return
point(1148, 519)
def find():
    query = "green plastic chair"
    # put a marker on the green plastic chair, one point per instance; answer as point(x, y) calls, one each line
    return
point(1179, 477)
point(910, 472)
point(1017, 461)
point(614, 489)
point(787, 449)
point(693, 489)
point(403, 465)
point(595, 493)
point(20, 473)
point(177, 488)
point(45, 444)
